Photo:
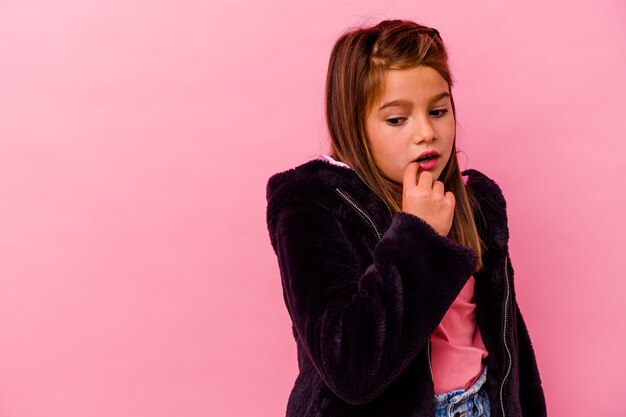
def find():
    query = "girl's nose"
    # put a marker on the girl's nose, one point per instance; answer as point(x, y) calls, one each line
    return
point(425, 132)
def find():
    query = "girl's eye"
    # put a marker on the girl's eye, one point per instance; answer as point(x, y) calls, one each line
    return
point(441, 112)
point(393, 120)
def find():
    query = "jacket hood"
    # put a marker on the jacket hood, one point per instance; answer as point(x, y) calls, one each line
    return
point(314, 182)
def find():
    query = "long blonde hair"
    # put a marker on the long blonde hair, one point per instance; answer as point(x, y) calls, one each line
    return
point(355, 81)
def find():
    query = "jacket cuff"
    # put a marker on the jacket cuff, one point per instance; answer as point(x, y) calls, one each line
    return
point(410, 237)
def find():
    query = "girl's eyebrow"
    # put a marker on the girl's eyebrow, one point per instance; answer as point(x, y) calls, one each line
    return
point(407, 103)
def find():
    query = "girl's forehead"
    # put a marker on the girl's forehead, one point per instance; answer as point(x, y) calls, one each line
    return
point(404, 87)
point(419, 77)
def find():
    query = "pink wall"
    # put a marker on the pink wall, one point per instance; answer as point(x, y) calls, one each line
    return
point(136, 139)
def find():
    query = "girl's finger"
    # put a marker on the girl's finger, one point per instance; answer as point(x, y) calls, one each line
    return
point(410, 175)
point(438, 187)
point(425, 181)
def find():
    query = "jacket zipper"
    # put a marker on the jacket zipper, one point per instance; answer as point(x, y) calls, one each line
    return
point(376, 194)
point(508, 352)
point(430, 365)
point(359, 210)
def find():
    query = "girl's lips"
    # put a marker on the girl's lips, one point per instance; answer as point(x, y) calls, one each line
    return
point(430, 164)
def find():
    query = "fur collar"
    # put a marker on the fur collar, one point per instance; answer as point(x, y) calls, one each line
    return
point(314, 182)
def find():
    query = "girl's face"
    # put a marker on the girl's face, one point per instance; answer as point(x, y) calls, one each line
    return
point(414, 115)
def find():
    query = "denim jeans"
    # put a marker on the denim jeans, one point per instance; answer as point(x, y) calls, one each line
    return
point(472, 402)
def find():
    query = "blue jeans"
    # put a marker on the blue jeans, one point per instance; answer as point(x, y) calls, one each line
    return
point(461, 403)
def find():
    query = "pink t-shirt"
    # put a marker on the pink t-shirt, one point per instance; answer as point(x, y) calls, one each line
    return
point(457, 346)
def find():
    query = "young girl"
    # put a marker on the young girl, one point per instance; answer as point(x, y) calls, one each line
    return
point(394, 264)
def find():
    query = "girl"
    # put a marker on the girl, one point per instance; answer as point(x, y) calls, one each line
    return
point(394, 264)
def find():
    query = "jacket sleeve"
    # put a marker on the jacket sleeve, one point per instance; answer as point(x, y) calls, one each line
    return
point(362, 328)
point(531, 392)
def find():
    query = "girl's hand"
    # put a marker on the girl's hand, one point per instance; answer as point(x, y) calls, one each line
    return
point(427, 200)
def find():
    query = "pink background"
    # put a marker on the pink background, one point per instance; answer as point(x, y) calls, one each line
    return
point(136, 139)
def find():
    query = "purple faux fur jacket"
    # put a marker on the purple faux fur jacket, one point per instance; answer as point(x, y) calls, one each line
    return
point(365, 288)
